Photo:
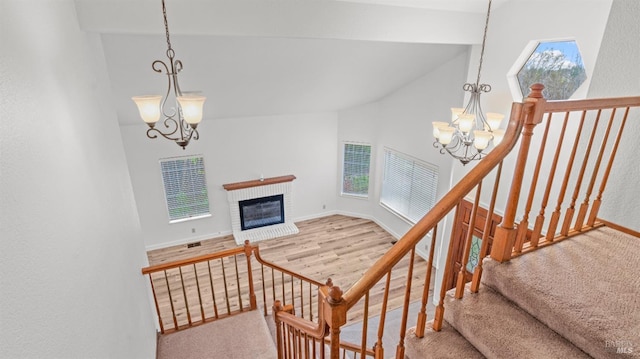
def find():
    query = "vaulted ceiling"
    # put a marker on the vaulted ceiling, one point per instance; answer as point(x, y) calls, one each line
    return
point(269, 57)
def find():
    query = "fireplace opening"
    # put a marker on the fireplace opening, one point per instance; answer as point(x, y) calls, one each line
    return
point(261, 212)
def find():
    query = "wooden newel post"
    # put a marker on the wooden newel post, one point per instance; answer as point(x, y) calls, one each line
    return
point(335, 314)
point(530, 115)
point(248, 250)
point(277, 307)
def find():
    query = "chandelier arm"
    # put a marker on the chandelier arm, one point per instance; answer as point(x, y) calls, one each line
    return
point(154, 132)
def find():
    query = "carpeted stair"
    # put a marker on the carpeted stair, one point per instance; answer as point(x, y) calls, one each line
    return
point(242, 336)
point(579, 298)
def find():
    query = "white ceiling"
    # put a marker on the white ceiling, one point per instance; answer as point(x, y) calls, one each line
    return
point(268, 57)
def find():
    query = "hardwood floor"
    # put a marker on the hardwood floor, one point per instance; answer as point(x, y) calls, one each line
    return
point(337, 247)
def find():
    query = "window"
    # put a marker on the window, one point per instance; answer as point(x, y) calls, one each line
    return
point(185, 187)
point(555, 64)
point(355, 169)
point(409, 185)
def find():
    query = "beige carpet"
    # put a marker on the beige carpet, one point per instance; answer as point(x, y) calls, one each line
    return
point(586, 288)
point(243, 336)
point(579, 298)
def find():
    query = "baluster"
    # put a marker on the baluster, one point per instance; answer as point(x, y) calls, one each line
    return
point(379, 348)
point(570, 212)
point(310, 304)
point(439, 314)
point(284, 298)
point(184, 293)
point(226, 292)
point(462, 274)
point(301, 300)
point(585, 204)
point(365, 324)
point(422, 316)
point(555, 216)
point(293, 301)
point(235, 261)
point(195, 272)
point(596, 204)
point(213, 291)
point(273, 284)
point(264, 290)
point(540, 220)
point(477, 273)
point(173, 309)
point(306, 345)
point(523, 227)
point(405, 308)
point(155, 301)
point(252, 294)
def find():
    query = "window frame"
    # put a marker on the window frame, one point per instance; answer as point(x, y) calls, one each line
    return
point(343, 173)
point(428, 167)
point(203, 185)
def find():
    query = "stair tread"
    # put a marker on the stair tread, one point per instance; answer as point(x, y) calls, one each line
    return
point(500, 329)
point(445, 344)
point(579, 288)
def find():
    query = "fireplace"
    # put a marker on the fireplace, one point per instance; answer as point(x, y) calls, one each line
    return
point(261, 212)
point(261, 209)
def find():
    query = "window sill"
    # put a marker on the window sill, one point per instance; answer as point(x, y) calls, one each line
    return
point(189, 219)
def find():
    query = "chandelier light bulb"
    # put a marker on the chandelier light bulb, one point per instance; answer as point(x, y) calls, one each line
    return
point(446, 134)
point(191, 106)
point(149, 107)
point(465, 122)
point(494, 120)
point(482, 139)
point(436, 126)
point(455, 113)
point(498, 135)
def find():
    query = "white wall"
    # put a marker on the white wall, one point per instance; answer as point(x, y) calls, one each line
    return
point(402, 121)
point(236, 149)
point(71, 253)
point(617, 73)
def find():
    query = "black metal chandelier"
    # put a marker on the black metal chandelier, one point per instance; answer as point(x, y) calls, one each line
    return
point(470, 131)
point(180, 120)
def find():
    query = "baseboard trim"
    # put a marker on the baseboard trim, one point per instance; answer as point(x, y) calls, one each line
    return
point(620, 228)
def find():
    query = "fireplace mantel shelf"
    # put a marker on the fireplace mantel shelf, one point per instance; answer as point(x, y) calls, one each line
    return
point(258, 182)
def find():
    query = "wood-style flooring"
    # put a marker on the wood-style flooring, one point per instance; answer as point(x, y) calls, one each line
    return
point(338, 247)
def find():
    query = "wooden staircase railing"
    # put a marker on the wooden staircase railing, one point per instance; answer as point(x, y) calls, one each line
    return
point(213, 286)
point(511, 238)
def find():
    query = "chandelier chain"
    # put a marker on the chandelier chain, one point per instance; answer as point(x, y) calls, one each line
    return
point(484, 40)
point(170, 52)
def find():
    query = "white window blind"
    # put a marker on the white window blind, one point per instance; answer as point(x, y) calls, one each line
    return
point(355, 169)
point(185, 187)
point(409, 185)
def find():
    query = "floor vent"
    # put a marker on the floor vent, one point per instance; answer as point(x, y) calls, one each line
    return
point(194, 244)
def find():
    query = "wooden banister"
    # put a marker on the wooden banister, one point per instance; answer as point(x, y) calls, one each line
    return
point(439, 210)
point(193, 260)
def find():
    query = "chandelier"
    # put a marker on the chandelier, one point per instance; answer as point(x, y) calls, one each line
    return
point(182, 118)
point(470, 131)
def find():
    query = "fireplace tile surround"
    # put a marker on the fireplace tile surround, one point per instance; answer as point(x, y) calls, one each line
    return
point(241, 191)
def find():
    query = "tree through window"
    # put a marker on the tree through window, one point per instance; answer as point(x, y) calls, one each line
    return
point(557, 65)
